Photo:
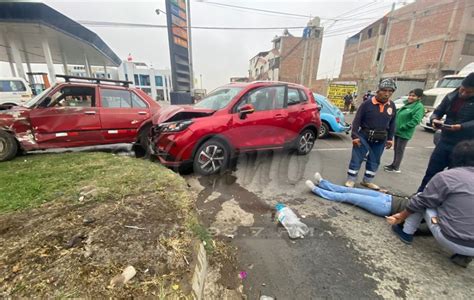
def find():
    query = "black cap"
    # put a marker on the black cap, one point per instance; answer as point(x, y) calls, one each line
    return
point(468, 82)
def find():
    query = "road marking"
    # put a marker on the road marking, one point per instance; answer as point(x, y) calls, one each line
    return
point(344, 149)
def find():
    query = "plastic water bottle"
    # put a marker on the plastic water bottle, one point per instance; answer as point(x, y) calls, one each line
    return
point(291, 222)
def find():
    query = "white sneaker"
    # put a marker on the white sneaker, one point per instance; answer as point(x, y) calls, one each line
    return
point(317, 178)
point(310, 184)
point(350, 184)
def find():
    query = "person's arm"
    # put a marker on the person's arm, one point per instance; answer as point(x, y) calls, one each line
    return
point(432, 196)
point(357, 121)
point(441, 110)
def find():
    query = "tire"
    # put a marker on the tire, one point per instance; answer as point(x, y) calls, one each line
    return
point(142, 147)
point(212, 157)
point(8, 146)
point(305, 142)
point(323, 131)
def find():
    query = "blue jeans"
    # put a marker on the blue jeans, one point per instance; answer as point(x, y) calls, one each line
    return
point(378, 203)
point(414, 220)
point(375, 150)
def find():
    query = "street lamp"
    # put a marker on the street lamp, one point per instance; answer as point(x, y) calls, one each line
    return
point(157, 11)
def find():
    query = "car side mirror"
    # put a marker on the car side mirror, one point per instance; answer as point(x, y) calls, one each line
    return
point(245, 110)
point(320, 106)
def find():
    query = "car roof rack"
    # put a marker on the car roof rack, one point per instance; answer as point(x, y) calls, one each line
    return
point(69, 78)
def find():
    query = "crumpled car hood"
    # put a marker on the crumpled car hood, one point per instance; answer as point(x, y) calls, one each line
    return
point(180, 112)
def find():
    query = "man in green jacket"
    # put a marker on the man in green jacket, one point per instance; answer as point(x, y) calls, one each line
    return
point(407, 118)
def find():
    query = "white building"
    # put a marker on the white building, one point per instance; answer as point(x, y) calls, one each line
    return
point(156, 83)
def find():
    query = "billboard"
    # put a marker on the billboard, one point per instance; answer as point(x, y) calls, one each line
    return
point(178, 37)
point(337, 91)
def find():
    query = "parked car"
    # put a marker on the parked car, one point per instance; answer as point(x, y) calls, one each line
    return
point(332, 119)
point(235, 118)
point(77, 113)
point(14, 91)
point(426, 123)
point(400, 102)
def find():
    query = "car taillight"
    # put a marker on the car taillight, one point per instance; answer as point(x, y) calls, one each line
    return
point(338, 120)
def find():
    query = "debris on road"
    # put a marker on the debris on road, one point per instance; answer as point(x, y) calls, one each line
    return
point(295, 228)
point(243, 275)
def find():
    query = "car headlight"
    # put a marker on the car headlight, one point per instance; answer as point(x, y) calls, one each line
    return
point(175, 126)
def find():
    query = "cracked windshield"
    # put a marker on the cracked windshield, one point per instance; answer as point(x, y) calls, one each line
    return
point(211, 149)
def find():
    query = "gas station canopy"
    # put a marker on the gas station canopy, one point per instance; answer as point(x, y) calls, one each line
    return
point(32, 32)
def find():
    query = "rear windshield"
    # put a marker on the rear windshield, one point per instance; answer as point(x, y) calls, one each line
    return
point(450, 83)
point(12, 86)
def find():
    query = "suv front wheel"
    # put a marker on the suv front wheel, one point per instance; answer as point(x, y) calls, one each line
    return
point(8, 146)
point(211, 157)
point(305, 142)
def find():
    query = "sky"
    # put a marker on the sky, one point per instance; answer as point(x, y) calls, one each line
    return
point(221, 54)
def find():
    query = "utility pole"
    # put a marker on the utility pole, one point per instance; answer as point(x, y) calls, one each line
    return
point(190, 46)
point(380, 66)
point(305, 54)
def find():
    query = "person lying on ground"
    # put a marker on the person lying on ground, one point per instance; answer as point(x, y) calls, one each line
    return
point(377, 203)
point(447, 205)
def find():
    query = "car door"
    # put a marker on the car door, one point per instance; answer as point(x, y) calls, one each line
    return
point(299, 113)
point(122, 112)
point(260, 129)
point(67, 117)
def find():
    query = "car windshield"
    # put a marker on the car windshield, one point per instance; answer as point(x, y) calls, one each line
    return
point(34, 100)
point(219, 98)
point(450, 83)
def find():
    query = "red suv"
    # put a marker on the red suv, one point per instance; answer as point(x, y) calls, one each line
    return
point(235, 118)
point(78, 112)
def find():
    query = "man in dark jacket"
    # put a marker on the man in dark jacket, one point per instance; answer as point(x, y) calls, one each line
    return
point(458, 107)
point(373, 129)
point(447, 206)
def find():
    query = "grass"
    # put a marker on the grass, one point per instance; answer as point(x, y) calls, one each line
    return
point(30, 181)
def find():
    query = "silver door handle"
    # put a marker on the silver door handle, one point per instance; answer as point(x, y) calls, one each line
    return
point(142, 112)
point(90, 112)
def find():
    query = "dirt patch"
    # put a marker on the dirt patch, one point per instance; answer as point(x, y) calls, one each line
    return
point(73, 248)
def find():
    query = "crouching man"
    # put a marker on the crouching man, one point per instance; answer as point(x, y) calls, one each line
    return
point(447, 205)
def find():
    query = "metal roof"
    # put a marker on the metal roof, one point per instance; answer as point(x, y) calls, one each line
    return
point(28, 23)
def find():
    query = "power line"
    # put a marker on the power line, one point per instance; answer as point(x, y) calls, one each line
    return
point(252, 9)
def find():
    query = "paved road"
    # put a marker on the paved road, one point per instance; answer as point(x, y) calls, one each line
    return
point(349, 254)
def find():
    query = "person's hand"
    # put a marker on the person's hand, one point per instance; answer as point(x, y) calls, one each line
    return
point(437, 124)
point(454, 127)
point(388, 144)
point(395, 219)
point(356, 142)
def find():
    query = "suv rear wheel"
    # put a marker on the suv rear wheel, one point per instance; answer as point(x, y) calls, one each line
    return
point(8, 146)
point(211, 157)
point(305, 142)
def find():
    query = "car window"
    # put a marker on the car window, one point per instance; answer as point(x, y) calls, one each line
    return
point(73, 97)
point(293, 96)
point(115, 98)
point(12, 86)
point(138, 102)
point(219, 98)
point(266, 98)
point(303, 96)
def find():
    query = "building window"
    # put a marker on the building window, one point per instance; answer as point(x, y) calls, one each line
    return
point(126, 77)
point(418, 46)
point(277, 44)
point(468, 48)
point(379, 53)
point(147, 90)
point(369, 33)
point(160, 95)
point(135, 77)
point(158, 80)
point(145, 80)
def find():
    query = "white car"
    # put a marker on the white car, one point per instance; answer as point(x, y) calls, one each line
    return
point(400, 102)
point(14, 91)
point(425, 122)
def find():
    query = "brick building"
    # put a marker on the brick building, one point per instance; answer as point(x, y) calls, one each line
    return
point(292, 59)
point(426, 40)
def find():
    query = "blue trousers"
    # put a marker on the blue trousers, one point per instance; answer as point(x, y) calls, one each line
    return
point(374, 151)
point(439, 160)
point(378, 203)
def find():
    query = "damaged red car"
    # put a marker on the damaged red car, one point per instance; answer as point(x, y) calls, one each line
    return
point(75, 113)
point(235, 118)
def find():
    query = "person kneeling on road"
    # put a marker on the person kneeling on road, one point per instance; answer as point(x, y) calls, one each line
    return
point(447, 205)
point(373, 129)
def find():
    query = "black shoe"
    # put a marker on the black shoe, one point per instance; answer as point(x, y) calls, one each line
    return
point(461, 260)
point(391, 169)
point(404, 237)
point(388, 166)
